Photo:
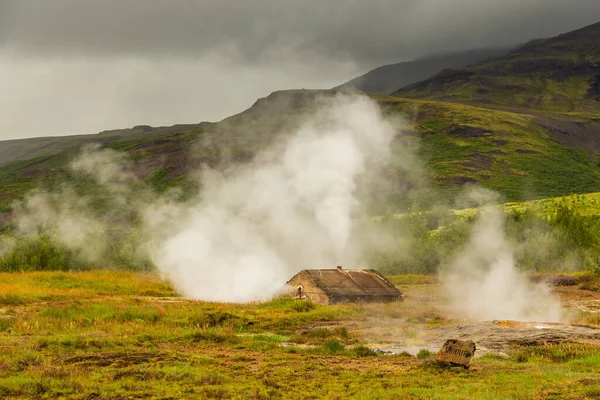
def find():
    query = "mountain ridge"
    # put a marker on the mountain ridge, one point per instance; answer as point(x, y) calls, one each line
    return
point(559, 74)
point(388, 78)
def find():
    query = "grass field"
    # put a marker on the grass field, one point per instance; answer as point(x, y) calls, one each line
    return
point(119, 335)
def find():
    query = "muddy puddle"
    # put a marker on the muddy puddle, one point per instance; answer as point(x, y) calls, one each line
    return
point(499, 337)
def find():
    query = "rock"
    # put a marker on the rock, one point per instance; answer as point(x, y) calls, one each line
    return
point(456, 352)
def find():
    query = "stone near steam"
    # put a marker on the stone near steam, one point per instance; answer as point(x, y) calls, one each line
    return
point(456, 352)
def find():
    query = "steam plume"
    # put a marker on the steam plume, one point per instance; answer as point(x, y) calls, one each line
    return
point(483, 280)
point(292, 208)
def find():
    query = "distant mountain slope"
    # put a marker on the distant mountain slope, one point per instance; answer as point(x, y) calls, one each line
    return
point(559, 74)
point(22, 149)
point(388, 78)
point(517, 154)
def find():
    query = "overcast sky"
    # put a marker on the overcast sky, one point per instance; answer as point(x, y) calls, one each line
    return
point(82, 66)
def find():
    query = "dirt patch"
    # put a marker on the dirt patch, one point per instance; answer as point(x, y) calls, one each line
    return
point(467, 131)
point(114, 359)
point(36, 172)
point(458, 181)
point(500, 337)
point(479, 161)
point(585, 135)
point(425, 321)
point(5, 218)
point(526, 151)
point(505, 335)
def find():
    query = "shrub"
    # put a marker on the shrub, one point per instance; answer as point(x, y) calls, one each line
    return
point(363, 351)
point(424, 353)
point(37, 253)
point(333, 347)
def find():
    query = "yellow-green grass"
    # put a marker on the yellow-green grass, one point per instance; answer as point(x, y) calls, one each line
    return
point(121, 335)
point(413, 279)
point(587, 204)
point(510, 152)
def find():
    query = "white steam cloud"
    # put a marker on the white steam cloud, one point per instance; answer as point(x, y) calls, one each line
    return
point(295, 206)
point(483, 280)
point(292, 208)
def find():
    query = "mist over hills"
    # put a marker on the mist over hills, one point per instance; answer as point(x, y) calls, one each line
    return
point(559, 74)
point(525, 123)
point(389, 78)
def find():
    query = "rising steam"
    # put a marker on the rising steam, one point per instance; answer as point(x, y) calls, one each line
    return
point(292, 208)
point(483, 280)
point(295, 206)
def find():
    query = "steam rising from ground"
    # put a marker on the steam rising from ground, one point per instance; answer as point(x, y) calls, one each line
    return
point(291, 209)
point(252, 226)
point(483, 280)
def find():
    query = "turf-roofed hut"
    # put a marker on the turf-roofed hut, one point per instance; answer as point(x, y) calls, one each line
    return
point(329, 286)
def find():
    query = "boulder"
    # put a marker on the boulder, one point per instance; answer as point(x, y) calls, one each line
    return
point(456, 352)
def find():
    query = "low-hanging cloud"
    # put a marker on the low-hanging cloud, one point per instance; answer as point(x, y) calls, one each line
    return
point(70, 66)
point(374, 31)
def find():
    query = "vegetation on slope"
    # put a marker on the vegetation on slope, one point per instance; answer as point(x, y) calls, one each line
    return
point(559, 74)
point(511, 153)
point(388, 78)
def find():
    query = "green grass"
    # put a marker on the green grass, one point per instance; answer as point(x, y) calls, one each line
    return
point(511, 153)
point(555, 76)
point(115, 341)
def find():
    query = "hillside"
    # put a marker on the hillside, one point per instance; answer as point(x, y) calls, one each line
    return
point(513, 153)
point(23, 149)
point(161, 156)
point(526, 125)
point(519, 155)
point(559, 74)
point(388, 78)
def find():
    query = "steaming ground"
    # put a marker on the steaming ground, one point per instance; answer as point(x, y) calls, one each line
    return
point(292, 208)
point(483, 280)
point(252, 227)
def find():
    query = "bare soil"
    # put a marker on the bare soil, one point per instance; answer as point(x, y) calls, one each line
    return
point(424, 322)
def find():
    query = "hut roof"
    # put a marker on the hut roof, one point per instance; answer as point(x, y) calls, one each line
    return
point(352, 282)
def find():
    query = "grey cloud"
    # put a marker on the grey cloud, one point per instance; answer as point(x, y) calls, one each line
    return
point(369, 31)
point(82, 66)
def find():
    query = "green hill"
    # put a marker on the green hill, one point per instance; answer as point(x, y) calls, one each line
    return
point(560, 74)
point(161, 156)
point(515, 154)
point(526, 124)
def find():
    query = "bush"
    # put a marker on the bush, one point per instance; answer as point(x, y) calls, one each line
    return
point(37, 253)
point(553, 237)
point(333, 347)
point(363, 351)
point(424, 353)
point(42, 252)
